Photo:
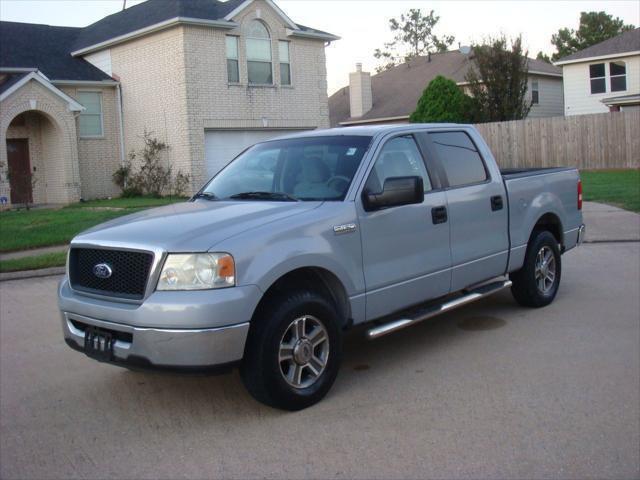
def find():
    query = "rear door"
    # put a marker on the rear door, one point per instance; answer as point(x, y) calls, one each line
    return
point(477, 209)
point(406, 255)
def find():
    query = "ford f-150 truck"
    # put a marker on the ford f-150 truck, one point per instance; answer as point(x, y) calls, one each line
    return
point(302, 237)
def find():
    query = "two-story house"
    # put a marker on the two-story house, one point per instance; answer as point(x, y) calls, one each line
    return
point(392, 95)
point(603, 77)
point(207, 77)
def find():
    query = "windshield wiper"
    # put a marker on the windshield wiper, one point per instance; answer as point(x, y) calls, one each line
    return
point(280, 196)
point(206, 196)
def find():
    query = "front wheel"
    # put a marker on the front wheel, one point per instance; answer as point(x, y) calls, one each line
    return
point(293, 351)
point(536, 283)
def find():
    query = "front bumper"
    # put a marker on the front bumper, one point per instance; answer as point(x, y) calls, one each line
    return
point(174, 349)
point(190, 330)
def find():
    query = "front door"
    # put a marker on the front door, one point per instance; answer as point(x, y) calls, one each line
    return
point(19, 171)
point(406, 252)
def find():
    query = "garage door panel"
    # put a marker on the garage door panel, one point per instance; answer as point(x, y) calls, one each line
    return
point(222, 146)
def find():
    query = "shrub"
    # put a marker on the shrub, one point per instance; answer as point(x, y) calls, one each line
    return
point(443, 101)
point(152, 178)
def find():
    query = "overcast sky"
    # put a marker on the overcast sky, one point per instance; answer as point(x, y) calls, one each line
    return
point(363, 24)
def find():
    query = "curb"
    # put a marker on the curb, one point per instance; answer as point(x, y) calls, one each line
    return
point(24, 274)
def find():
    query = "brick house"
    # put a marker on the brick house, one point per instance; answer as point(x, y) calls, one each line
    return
point(207, 77)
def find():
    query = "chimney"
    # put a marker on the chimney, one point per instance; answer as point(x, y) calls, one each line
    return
point(360, 96)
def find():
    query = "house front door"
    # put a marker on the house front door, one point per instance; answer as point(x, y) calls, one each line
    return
point(19, 171)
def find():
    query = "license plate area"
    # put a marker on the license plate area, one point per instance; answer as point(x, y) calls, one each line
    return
point(98, 344)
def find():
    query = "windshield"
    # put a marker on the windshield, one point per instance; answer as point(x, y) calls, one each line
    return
point(311, 168)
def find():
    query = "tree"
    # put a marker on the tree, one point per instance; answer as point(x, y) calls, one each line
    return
point(595, 27)
point(544, 57)
point(498, 80)
point(443, 101)
point(413, 36)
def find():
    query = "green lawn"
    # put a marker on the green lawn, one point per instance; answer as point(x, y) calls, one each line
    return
point(615, 187)
point(23, 230)
point(46, 260)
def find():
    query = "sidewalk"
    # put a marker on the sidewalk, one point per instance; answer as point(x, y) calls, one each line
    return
point(610, 224)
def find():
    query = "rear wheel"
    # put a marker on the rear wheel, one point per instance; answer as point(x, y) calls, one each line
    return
point(293, 351)
point(536, 283)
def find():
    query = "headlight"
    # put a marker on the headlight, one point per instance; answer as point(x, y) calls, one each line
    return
point(197, 271)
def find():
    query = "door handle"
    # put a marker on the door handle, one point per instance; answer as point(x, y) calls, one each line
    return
point(496, 203)
point(439, 215)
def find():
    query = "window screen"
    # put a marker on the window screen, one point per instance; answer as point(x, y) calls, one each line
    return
point(233, 72)
point(399, 157)
point(460, 158)
point(285, 62)
point(535, 92)
point(618, 74)
point(90, 120)
point(597, 76)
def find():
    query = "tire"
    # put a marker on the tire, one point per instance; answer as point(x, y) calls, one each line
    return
point(292, 320)
point(532, 286)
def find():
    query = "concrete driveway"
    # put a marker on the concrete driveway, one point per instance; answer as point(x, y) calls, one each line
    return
point(491, 391)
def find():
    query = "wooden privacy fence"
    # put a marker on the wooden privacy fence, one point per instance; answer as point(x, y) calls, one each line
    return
point(602, 140)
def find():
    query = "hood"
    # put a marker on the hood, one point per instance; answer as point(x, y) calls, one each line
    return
point(190, 226)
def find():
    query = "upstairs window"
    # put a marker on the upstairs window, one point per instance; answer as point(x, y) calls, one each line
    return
point(597, 76)
point(535, 92)
point(285, 62)
point(618, 76)
point(90, 120)
point(233, 72)
point(259, 54)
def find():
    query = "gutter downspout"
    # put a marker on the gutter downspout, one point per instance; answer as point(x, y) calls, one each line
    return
point(120, 119)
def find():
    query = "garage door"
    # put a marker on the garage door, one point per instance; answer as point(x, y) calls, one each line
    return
point(222, 146)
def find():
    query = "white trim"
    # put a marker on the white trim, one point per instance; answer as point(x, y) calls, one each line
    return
point(277, 9)
point(611, 101)
point(598, 57)
point(73, 105)
point(88, 83)
point(544, 74)
point(304, 34)
point(376, 120)
point(120, 123)
point(154, 28)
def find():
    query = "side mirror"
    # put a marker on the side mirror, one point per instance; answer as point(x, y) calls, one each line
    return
point(395, 192)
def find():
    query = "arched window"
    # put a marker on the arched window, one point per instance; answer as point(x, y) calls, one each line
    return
point(259, 54)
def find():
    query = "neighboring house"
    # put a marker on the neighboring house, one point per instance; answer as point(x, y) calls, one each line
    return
point(392, 95)
point(603, 77)
point(209, 78)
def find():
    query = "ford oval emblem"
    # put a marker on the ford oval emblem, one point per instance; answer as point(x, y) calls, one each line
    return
point(102, 270)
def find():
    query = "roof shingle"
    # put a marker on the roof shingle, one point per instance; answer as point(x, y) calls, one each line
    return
point(623, 43)
point(47, 48)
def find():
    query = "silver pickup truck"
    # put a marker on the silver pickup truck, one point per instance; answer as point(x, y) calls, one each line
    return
point(302, 237)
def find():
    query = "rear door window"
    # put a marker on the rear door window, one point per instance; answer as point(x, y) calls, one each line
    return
point(460, 159)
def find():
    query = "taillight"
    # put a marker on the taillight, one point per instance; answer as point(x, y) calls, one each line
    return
point(579, 194)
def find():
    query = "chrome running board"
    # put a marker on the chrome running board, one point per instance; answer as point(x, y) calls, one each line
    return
point(434, 310)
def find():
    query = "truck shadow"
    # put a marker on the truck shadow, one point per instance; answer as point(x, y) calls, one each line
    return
point(365, 364)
